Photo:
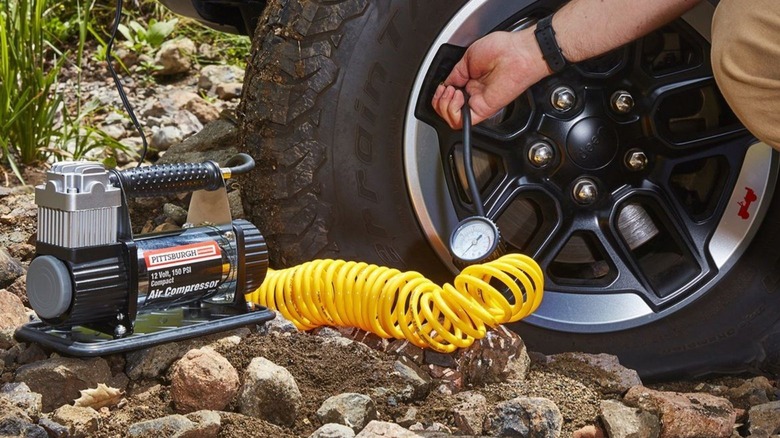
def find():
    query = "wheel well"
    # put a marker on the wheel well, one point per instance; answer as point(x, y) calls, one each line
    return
point(239, 14)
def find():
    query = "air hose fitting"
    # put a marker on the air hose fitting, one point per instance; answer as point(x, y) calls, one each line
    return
point(405, 305)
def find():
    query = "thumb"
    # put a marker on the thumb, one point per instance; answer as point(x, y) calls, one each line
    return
point(459, 75)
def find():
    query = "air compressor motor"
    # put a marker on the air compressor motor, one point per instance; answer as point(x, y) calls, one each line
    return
point(97, 289)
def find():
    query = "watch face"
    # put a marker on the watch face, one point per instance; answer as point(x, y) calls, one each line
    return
point(474, 239)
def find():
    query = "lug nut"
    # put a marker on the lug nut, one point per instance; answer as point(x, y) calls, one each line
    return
point(585, 191)
point(622, 102)
point(563, 98)
point(541, 154)
point(636, 160)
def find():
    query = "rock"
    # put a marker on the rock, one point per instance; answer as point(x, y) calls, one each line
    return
point(764, 419)
point(187, 123)
point(350, 409)
point(152, 362)
point(622, 421)
point(60, 379)
point(31, 353)
point(409, 418)
point(54, 429)
point(229, 91)
point(269, 392)
point(589, 431)
point(165, 137)
point(685, 415)
point(19, 288)
point(203, 379)
point(752, 392)
point(470, 413)
point(217, 141)
point(10, 269)
point(201, 424)
point(212, 76)
point(602, 370)
point(402, 347)
point(14, 427)
point(277, 325)
point(201, 109)
point(499, 356)
point(21, 251)
point(175, 213)
point(208, 52)
point(114, 130)
point(174, 56)
point(522, 416)
point(12, 311)
point(19, 395)
point(418, 381)
point(333, 430)
point(376, 429)
point(81, 422)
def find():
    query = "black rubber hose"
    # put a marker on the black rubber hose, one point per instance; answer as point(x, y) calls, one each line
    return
point(241, 163)
point(476, 198)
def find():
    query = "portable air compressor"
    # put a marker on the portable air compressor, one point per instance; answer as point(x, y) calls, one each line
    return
point(97, 289)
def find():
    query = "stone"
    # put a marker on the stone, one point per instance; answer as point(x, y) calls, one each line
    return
point(60, 379)
point(14, 427)
point(152, 362)
point(589, 431)
point(10, 269)
point(418, 382)
point(376, 429)
point(204, 111)
point(217, 141)
point(19, 395)
point(12, 311)
point(229, 91)
point(54, 429)
point(621, 421)
point(469, 414)
point(755, 391)
point(270, 393)
point(211, 76)
point(764, 419)
point(602, 370)
point(165, 137)
point(333, 430)
point(350, 409)
point(524, 416)
point(81, 422)
point(19, 288)
point(498, 357)
point(685, 414)
point(409, 417)
point(203, 379)
point(31, 353)
point(278, 325)
point(174, 57)
point(200, 424)
point(187, 123)
point(175, 213)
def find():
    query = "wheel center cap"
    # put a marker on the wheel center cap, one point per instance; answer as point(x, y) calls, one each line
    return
point(592, 143)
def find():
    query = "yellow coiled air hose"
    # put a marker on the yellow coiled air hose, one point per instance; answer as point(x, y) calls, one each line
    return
point(404, 305)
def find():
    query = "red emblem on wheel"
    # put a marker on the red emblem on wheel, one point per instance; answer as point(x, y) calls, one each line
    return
point(744, 205)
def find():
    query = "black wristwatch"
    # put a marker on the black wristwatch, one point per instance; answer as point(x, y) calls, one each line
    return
point(551, 51)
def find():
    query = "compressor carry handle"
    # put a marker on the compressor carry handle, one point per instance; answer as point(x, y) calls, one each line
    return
point(165, 179)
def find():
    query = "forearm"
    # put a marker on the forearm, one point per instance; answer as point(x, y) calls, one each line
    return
point(588, 28)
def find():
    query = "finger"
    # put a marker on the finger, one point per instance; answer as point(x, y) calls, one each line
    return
point(454, 107)
point(439, 102)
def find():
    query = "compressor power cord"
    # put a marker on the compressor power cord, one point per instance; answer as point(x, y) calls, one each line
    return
point(405, 305)
point(118, 83)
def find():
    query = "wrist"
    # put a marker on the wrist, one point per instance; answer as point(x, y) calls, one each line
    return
point(526, 46)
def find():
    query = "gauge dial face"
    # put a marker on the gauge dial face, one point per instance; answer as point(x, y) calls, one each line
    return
point(474, 239)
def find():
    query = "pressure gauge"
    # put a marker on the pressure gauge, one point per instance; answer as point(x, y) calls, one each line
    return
point(476, 239)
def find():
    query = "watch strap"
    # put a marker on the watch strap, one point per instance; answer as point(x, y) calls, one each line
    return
point(551, 51)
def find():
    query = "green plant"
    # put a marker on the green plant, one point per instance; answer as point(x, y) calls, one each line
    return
point(141, 38)
point(28, 77)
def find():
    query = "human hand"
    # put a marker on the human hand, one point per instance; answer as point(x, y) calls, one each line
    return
point(494, 71)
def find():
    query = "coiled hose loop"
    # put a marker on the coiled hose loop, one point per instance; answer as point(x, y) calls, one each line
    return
point(405, 305)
